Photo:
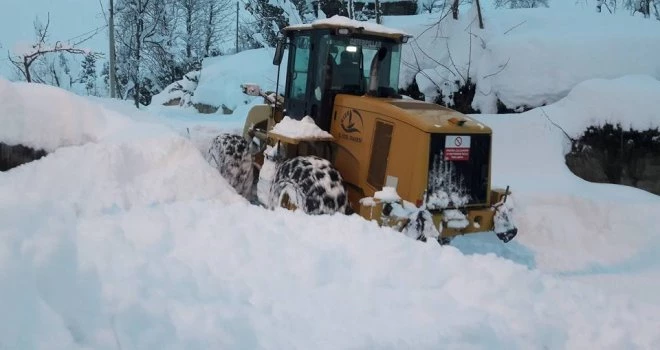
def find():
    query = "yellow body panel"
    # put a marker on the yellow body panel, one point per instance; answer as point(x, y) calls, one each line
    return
point(407, 161)
point(353, 127)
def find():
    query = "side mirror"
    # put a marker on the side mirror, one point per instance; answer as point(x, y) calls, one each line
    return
point(251, 89)
point(279, 52)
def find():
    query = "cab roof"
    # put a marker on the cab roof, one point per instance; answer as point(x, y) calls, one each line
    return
point(360, 27)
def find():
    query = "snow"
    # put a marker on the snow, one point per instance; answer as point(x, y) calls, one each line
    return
point(342, 21)
point(125, 237)
point(524, 57)
point(267, 173)
point(181, 90)
point(387, 194)
point(576, 225)
point(58, 119)
point(300, 129)
point(633, 104)
point(133, 239)
point(221, 77)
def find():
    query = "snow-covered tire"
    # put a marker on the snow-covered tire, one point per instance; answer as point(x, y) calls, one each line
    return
point(231, 155)
point(311, 184)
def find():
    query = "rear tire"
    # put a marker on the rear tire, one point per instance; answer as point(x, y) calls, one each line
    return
point(231, 155)
point(311, 184)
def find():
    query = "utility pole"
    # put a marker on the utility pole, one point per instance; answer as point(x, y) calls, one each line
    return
point(237, 9)
point(481, 19)
point(377, 6)
point(111, 29)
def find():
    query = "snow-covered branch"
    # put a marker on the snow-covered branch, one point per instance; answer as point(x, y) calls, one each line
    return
point(24, 57)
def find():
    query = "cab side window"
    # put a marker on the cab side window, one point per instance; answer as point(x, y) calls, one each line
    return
point(300, 67)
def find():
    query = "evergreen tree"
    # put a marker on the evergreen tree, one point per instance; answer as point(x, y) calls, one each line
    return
point(88, 75)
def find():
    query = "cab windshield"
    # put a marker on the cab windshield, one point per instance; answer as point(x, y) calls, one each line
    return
point(350, 59)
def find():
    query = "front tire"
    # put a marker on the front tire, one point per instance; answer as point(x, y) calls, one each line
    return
point(311, 184)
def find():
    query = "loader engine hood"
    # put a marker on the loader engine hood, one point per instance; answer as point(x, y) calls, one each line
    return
point(459, 154)
point(434, 118)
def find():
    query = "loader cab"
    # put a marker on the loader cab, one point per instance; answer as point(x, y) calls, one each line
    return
point(328, 60)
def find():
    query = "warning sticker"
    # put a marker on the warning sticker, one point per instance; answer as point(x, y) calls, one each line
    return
point(457, 148)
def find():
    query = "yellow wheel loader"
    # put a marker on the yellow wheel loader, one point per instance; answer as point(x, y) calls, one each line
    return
point(340, 139)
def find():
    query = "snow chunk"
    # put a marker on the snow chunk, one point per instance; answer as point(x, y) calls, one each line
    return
point(300, 129)
point(387, 194)
point(455, 218)
point(368, 202)
point(342, 21)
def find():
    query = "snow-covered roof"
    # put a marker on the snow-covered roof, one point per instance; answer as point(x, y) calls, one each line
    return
point(337, 21)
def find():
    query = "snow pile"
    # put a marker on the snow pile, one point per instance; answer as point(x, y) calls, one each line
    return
point(133, 241)
point(346, 22)
point(179, 93)
point(300, 129)
point(388, 195)
point(540, 61)
point(524, 57)
point(570, 224)
point(221, 77)
point(631, 101)
point(45, 117)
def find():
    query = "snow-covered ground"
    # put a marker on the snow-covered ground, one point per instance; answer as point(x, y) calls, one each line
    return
point(124, 237)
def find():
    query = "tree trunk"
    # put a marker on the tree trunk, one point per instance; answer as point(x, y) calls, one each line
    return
point(189, 30)
point(111, 30)
point(26, 65)
point(454, 9)
point(138, 48)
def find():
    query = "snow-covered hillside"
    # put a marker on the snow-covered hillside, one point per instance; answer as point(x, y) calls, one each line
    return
point(525, 57)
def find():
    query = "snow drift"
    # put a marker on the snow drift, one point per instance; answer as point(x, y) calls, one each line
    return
point(133, 241)
point(221, 77)
point(46, 117)
point(524, 57)
point(573, 226)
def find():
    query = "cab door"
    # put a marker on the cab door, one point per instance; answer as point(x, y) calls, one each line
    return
point(297, 92)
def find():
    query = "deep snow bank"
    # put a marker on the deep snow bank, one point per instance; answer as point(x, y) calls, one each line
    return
point(569, 223)
point(632, 101)
point(134, 242)
point(45, 117)
point(221, 77)
point(524, 57)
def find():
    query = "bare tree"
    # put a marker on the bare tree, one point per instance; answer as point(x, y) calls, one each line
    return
point(24, 60)
point(514, 4)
